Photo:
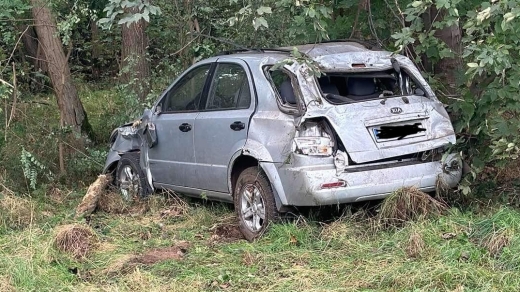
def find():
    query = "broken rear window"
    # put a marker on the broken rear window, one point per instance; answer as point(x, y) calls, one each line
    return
point(355, 87)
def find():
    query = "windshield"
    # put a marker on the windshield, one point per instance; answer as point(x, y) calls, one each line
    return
point(362, 86)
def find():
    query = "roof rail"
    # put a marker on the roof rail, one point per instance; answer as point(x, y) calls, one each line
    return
point(253, 50)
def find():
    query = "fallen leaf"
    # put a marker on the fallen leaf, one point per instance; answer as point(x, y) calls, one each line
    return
point(464, 256)
point(293, 240)
point(224, 286)
point(448, 235)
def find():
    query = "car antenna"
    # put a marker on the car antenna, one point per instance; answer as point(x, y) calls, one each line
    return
point(226, 41)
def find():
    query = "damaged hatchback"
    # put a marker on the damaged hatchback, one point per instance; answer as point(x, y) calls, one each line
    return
point(261, 130)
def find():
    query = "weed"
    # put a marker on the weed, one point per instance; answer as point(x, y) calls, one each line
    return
point(496, 232)
point(15, 212)
point(415, 245)
point(145, 252)
point(408, 204)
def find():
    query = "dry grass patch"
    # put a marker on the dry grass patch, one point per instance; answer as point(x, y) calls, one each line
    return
point(5, 284)
point(415, 245)
point(113, 203)
point(15, 212)
point(90, 200)
point(157, 255)
point(75, 239)
point(344, 230)
point(129, 263)
point(442, 189)
point(408, 204)
point(496, 241)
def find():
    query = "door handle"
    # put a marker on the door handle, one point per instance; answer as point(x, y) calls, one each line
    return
point(237, 126)
point(185, 127)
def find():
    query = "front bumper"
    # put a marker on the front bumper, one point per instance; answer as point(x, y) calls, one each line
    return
point(303, 183)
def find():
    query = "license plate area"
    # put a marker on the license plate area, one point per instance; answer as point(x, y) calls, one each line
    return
point(398, 131)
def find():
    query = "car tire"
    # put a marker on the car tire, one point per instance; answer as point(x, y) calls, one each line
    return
point(130, 178)
point(253, 199)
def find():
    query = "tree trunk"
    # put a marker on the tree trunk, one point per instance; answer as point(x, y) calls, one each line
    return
point(33, 49)
point(70, 106)
point(135, 64)
point(95, 53)
point(447, 68)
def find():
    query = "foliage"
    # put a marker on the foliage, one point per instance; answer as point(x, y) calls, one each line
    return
point(421, 35)
point(488, 110)
point(298, 57)
point(128, 12)
point(32, 169)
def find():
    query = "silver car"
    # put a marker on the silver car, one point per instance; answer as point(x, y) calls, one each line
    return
point(267, 132)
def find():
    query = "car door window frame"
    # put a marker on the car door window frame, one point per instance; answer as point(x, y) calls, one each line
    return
point(209, 84)
point(176, 84)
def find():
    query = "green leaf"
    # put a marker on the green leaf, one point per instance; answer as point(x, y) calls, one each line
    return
point(264, 10)
point(259, 22)
point(416, 4)
point(312, 13)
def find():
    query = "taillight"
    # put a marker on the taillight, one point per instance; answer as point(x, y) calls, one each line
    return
point(319, 146)
point(313, 138)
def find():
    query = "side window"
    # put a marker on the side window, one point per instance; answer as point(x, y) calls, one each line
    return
point(282, 83)
point(186, 95)
point(229, 89)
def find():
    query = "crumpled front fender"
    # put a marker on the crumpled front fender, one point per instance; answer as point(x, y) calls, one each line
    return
point(125, 139)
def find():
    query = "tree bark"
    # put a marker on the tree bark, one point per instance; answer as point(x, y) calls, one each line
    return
point(33, 49)
point(135, 64)
point(95, 52)
point(447, 68)
point(71, 109)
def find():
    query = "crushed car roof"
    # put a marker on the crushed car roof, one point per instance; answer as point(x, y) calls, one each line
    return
point(330, 55)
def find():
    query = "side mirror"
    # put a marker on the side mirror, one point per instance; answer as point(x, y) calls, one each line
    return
point(419, 92)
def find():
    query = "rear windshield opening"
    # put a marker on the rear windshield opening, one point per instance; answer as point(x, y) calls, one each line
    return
point(355, 87)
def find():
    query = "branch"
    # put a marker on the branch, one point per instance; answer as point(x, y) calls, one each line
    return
point(14, 49)
point(185, 46)
point(15, 97)
point(6, 83)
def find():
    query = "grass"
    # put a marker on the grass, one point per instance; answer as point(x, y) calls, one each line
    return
point(171, 244)
point(443, 253)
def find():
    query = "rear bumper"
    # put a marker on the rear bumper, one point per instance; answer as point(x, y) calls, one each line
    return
point(303, 185)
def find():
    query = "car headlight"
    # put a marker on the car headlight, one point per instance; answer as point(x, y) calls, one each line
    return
point(319, 146)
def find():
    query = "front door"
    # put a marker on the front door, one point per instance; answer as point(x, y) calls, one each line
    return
point(172, 160)
point(222, 125)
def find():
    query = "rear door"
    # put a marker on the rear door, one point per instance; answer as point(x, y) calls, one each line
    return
point(172, 160)
point(222, 125)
